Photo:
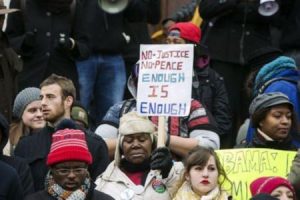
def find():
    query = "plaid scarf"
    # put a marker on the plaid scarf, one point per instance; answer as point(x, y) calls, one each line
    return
point(59, 193)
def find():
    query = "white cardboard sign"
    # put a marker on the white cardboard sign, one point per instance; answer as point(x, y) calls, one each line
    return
point(165, 80)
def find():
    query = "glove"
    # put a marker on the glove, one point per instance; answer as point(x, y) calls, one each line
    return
point(161, 159)
point(30, 37)
point(65, 42)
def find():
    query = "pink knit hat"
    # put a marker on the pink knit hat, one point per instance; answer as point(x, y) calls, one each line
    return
point(68, 145)
point(269, 183)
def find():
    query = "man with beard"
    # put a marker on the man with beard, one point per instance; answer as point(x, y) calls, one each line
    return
point(48, 36)
point(57, 95)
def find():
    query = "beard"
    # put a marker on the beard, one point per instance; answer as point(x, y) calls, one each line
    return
point(55, 115)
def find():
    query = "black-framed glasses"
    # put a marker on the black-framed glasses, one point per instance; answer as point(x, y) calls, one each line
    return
point(67, 171)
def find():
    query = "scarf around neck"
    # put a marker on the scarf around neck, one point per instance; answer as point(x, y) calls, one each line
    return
point(59, 193)
point(130, 167)
point(186, 192)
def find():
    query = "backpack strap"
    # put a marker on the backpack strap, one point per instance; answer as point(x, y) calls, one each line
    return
point(127, 106)
point(266, 84)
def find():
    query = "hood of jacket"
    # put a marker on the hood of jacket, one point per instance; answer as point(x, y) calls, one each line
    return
point(132, 87)
point(281, 66)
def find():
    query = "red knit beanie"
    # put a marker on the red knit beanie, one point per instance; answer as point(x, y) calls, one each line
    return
point(68, 145)
point(268, 184)
point(188, 31)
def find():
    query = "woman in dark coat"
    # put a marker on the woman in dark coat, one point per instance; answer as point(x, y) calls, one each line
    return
point(272, 116)
point(47, 34)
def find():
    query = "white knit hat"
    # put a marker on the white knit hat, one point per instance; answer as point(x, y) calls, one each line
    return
point(132, 123)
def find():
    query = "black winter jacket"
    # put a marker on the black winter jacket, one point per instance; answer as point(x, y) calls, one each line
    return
point(290, 25)
point(18, 164)
point(106, 30)
point(35, 148)
point(92, 195)
point(10, 185)
point(41, 54)
point(233, 29)
point(209, 88)
point(139, 33)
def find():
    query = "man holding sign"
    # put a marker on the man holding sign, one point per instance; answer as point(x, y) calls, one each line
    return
point(208, 86)
point(184, 132)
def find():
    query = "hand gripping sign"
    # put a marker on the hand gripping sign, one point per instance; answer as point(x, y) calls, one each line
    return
point(165, 82)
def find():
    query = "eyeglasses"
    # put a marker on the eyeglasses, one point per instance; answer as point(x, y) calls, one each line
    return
point(65, 171)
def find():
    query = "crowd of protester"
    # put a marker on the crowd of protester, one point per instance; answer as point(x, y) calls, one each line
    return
point(68, 132)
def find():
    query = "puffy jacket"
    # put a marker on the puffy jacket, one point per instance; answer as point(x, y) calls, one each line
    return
point(115, 182)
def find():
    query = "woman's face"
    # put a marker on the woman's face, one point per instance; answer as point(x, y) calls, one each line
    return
point(32, 116)
point(137, 147)
point(204, 179)
point(282, 193)
point(277, 122)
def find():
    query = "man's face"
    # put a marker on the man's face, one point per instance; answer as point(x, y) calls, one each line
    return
point(70, 175)
point(174, 38)
point(54, 107)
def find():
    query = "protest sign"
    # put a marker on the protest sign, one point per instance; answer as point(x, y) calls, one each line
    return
point(244, 165)
point(165, 80)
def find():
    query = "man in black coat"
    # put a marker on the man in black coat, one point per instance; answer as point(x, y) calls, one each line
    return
point(68, 161)
point(57, 95)
point(18, 164)
point(102, 77)
point(48, 36)
point(233, 31)
point(208, 86)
